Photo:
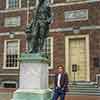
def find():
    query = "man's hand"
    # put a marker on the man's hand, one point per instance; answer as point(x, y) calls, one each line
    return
point(62, 89)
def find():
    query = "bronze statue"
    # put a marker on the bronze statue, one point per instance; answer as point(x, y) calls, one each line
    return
point(38, 30)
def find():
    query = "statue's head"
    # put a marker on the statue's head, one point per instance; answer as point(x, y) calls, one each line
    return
point(41, 0)
point(44, 1)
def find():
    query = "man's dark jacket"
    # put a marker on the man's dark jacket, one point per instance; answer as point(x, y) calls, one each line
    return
point(63, 82)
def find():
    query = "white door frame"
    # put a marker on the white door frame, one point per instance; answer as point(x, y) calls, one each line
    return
point(97, 76)
point(87, 52)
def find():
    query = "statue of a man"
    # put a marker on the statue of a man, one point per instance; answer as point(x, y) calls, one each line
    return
point(39, 27)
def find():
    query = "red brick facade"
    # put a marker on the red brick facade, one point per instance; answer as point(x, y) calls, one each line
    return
point(94, 34)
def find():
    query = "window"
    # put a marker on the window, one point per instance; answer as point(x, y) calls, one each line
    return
point(48, 48)
point(11, 54)
point(9, 84)
point(13, 3)
point(76, 15)
point(12, 21)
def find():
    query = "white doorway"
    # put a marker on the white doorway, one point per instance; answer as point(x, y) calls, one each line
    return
point(77, 52)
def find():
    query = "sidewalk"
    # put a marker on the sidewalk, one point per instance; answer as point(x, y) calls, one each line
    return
point(85, 97)
point(6, 94)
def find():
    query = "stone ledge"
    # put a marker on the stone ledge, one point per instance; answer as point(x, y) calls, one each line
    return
point(34, 57)
point(36, 91)
point(32, 94)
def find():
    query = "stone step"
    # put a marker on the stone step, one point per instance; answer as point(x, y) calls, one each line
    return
point(83, 93)
point(82, 85)
point(83, 89)
point(91, 88)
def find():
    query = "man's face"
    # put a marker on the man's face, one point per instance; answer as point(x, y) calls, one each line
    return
point(60, 69)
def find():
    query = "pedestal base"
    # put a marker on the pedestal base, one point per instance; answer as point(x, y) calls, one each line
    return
point(33, 72)
point(28, 94)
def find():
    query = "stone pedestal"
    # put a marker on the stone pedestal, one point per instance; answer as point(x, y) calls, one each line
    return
point(33, 83)
point(32, 94)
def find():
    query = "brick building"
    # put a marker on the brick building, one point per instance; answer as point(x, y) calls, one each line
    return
point(74, 38)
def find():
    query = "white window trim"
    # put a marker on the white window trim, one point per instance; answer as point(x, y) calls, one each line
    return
point(5, 45)
point(37, 2)
point(78, 19)
point(51, 67)
point(7, 4)
point(51, 1)
point(19, 3)
point(15, 25)
point(14, 82)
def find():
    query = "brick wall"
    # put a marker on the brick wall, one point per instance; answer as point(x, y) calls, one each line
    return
point(93, 12)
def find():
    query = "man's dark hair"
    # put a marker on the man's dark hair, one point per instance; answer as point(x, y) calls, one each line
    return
point(60, 66)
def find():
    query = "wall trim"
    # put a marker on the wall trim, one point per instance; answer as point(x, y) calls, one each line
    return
point(16, 33)
point(61, 29)
point(69, 29)
point(9, 74)
point(74, 3)
point(92, 27)
point(17, 9)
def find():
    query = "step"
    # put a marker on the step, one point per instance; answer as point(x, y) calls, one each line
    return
point(82, 84)
point(83, 87)
point(79, 93)
point(87, 91)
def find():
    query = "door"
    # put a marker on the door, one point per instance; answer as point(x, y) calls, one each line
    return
point(77, 56)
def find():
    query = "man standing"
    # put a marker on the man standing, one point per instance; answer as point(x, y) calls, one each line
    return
point(60, 83)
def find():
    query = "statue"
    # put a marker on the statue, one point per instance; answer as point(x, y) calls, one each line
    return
point(37, 31)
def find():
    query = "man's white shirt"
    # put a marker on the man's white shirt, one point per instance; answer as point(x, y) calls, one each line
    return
point(58, 82)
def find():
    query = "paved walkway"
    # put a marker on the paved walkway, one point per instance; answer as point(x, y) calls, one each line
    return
point(6, 94)
point(82, 97)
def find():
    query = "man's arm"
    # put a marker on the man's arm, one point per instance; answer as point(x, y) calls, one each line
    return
point(66, 81)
